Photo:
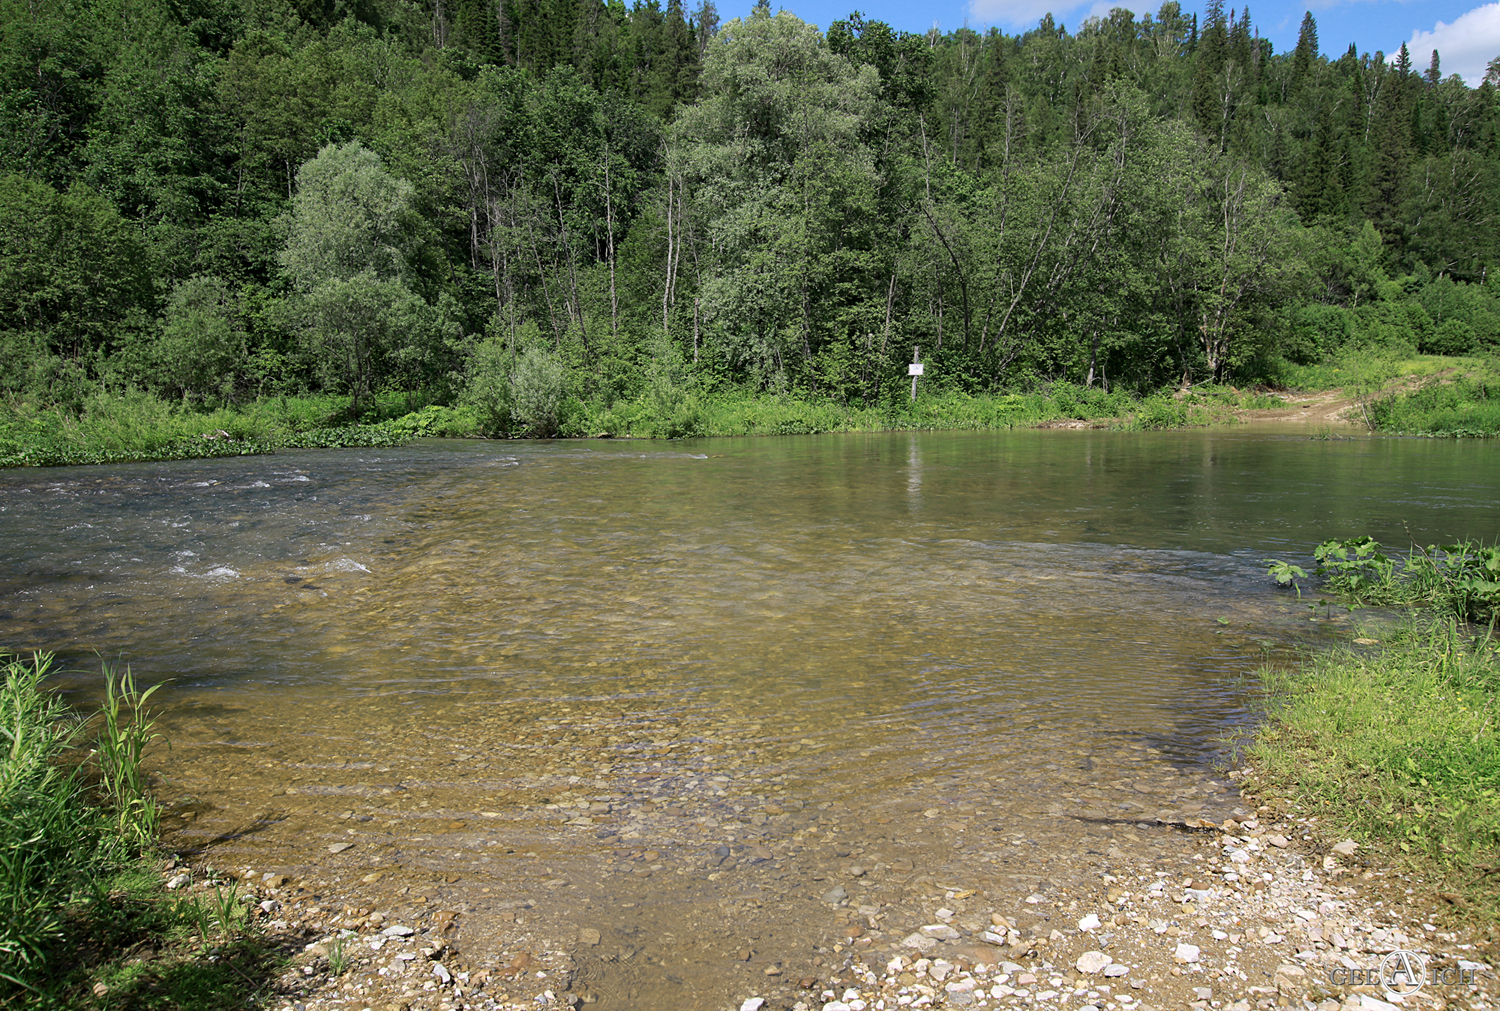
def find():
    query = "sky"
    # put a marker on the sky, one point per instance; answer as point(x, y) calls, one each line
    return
point(1466, 36)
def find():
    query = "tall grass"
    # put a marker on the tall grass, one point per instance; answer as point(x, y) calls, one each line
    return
point(68, 817)
point(1462, 408)
point(1400, 750)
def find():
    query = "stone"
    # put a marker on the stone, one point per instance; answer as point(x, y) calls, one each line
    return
point(753, 1004)
point(1346, 848)
point(339, 847)
point(920, 942)
point(1203, 992)
point(941, 931)
point(179, 880)
point(1092, 962)
point(1368, 1003)
point(990, 937)
point(588, 935)
point(1185, 953)
point(1279, 841)
point(442, 973)
point(1115, 970)
point(1089, 922)
point(835, 895)
point(940, 970)
point(396, 930)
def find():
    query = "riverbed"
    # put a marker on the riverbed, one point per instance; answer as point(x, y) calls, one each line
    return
point(670, 697)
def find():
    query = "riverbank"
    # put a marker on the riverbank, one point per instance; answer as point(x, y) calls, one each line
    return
point(136, 427)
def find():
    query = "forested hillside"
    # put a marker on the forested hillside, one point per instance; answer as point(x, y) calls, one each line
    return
point(217, 200)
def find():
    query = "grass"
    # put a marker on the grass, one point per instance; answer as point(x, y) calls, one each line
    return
point(133, 426)
point(1399, 750)
point(682, 414)
point(1465, 407)
point(1407, 394)
point(84, 919)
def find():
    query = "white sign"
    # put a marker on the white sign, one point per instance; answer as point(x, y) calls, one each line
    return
point(914, 369)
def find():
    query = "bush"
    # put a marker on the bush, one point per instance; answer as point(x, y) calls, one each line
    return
point(537, 388)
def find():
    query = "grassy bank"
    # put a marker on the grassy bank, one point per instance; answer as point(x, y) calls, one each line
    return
point(1394, 741)
point(1404, 393)
point(122, 428)
point(86, 922)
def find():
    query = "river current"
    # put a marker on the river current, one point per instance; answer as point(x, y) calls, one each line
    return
point(675, 691)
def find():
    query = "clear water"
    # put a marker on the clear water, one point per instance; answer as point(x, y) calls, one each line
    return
point(928, 645)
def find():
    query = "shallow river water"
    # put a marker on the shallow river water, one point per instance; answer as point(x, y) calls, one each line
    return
point(680, 692)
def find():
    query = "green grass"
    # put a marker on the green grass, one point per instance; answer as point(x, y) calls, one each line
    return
point(681, 414)
point(1464, 407)
point(84, 919)
point(1370, 369)
point(134, 426)
point(1398, 749)
point(128, 427)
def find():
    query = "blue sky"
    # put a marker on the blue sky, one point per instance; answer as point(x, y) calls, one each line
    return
point(1466, 35)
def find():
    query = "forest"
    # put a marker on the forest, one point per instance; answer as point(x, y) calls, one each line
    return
point(507, 204)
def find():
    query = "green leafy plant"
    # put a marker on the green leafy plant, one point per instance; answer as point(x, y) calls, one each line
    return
point(128, 730)
point(339, 955)
point(1285, 573)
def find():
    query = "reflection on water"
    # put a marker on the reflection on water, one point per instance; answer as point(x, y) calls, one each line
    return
point(983, 654)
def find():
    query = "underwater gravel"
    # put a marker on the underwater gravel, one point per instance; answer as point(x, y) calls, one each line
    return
point(1264, 920)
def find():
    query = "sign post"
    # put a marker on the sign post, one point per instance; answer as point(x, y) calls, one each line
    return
point(914, 370)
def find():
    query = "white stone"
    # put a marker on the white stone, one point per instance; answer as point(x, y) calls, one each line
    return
point(442, 973)
point(941, 931)
point(179, 880)
point(990, 937)
point(920, 942)
point(1092, 962)
point(1185, 953)
point(836, 1005)
point(1115, 970)
point(1089, 922)
point(1346, 848)
point(398, 931)
point(753, 1004)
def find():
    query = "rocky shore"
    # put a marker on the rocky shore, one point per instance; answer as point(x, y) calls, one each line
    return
point(1255, 914)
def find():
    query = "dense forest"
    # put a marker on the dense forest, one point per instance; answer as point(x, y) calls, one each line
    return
point(218, 200)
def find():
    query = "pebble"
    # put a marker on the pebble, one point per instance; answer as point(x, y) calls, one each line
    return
point(1089, 922)
point(1186, 953)
point(753, 1004)
point(1092, 962)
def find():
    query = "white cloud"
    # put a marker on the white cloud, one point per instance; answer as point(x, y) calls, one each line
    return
point(1465, 47)
point(1021, 13)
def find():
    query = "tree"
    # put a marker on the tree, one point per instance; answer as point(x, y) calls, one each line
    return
point(775, 159)
point(202, 344)
point(75, 283)
point(352, 237)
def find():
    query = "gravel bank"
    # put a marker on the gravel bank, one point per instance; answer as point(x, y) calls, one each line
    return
point(1256, 918)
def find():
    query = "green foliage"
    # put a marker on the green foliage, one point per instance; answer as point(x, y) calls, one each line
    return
point(1460, 408)
point(202, 347)
point(127, 730)
point(1399, 749)
point(537, 388)
point(74, 281)
point(237, 201)
point(48, 832)
point(1286, 574)
point(1462, 579)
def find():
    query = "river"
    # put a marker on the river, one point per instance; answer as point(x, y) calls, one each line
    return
point(679, 692)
